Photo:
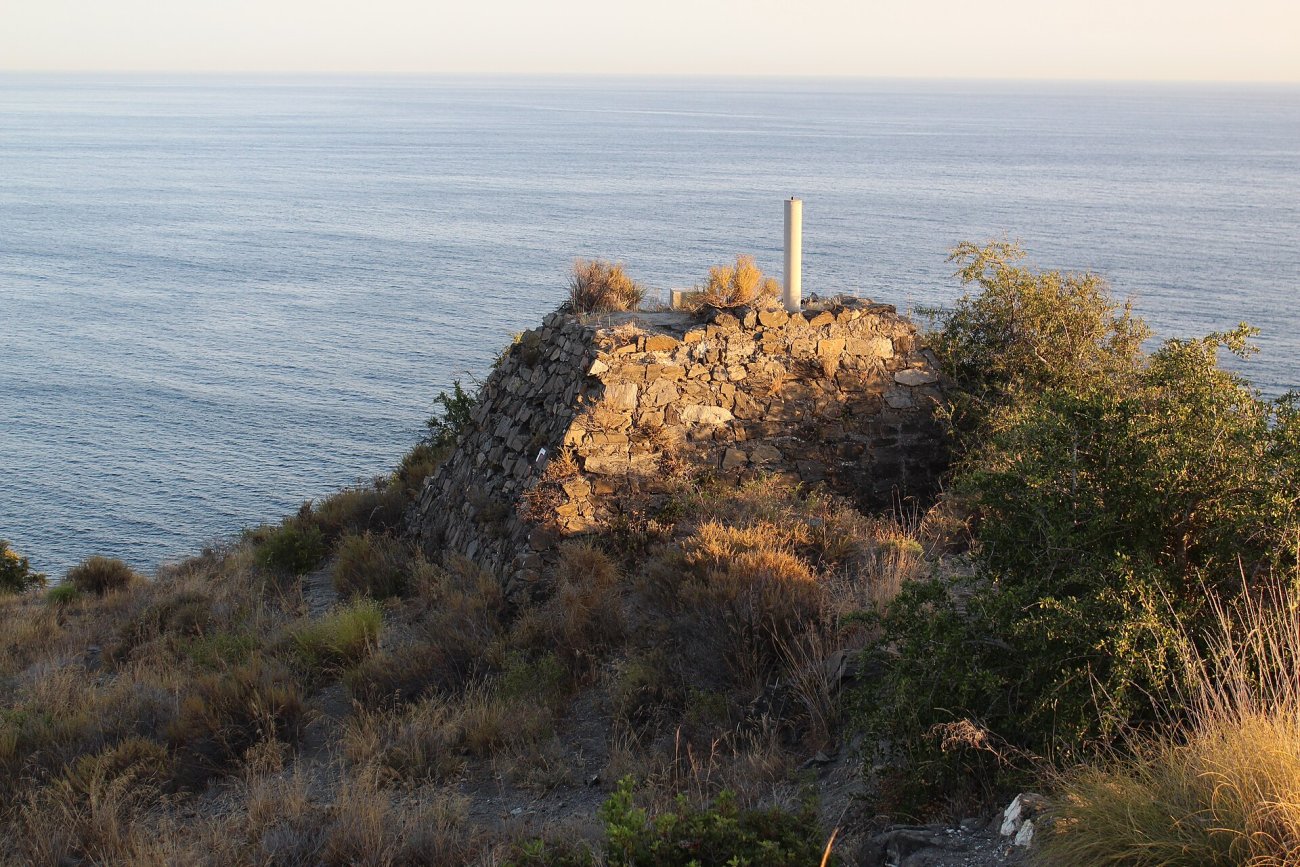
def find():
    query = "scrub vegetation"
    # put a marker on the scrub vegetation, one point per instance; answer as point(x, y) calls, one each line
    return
point(1101, 605)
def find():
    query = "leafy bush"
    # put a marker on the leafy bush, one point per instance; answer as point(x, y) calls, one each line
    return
point(1025, 332)
point(450, 417)
point(295, 547)
point(16, 574)
point(602, 287)
point(1110, 489)
point(551, 851)
point(370, 565)
point(734, 285)
point(100, 575)
point(341, 638)
point(62, 594)
point(722, 834)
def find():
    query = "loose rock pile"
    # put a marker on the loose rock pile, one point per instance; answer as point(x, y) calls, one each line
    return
point(585, 418)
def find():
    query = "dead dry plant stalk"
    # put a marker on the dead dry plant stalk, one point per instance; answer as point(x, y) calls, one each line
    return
point(806, 658)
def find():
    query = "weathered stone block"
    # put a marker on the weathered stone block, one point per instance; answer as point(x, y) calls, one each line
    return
point(916, 377)
point(621, 395)
point(733, 458)
point(830, 347)
point(701, 414)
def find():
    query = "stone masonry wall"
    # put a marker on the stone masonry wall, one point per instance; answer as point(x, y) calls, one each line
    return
point(585, 415)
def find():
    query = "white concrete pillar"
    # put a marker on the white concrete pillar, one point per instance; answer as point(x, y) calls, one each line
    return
point(793, 290)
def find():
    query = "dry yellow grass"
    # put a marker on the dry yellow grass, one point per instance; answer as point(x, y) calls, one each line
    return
point(1221, 789)
point(176, 741)
point(734, 285)
point(597, 286)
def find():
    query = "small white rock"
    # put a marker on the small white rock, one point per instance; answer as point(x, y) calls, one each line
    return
point(1025, 835)
point(1011, 817)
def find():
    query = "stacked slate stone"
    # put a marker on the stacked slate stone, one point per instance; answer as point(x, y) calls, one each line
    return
point(841, 393)
point(470, 505)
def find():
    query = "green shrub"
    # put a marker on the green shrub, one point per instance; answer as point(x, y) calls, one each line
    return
point(551, 851)
point(295, 547)
point(722, 834)
point(62, 594)
point(1110, 489)
point(602, 287)
point(16, 574)
point(101, 575)
point(1025, 332)
point(370, 565)
point(450, 417)
point(342, 638)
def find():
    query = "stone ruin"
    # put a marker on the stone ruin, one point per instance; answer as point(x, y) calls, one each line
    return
point(588, 414)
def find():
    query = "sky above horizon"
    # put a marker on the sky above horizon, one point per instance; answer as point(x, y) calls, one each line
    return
point(1164, 40)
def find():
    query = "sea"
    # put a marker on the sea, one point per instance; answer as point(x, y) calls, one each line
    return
point(221, 296)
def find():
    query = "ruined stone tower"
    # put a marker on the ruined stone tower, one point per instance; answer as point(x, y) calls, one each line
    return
point(586, 410)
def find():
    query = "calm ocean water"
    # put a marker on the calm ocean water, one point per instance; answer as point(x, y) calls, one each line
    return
point(221, 296)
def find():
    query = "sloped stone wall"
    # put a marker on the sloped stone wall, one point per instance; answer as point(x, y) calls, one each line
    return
point(583, 416)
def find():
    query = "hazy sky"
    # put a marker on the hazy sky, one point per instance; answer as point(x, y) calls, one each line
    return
point(1089, 39)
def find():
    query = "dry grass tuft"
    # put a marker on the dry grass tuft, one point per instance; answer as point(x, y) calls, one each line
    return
point(371, 565)
point(341, 638)
point(101, 575)
point(224, 715)
point(100, 820)
point(464, 616)
point(585, 615)
point(597, 286)
point(374, 508)
point(1222, 789)
point(415, 744)
point(734, 285)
